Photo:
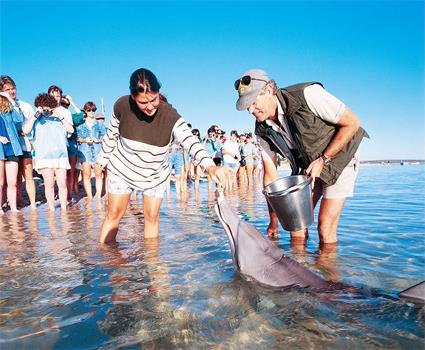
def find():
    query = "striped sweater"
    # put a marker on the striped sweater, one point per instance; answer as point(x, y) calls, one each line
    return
point(135, 147)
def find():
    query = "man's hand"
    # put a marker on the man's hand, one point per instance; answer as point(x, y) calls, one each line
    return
point(314, 169)
point(272, 230)
point(218, 174)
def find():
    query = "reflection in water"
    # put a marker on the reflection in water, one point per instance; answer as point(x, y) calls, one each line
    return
point(60, 289)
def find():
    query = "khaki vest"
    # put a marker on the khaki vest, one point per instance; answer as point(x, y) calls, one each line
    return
point(311, 135)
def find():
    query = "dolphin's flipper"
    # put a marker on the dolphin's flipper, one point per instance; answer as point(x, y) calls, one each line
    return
point(415, 293)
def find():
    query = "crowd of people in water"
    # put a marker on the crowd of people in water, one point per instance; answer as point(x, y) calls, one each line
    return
point(58, 142)
point(236, 152)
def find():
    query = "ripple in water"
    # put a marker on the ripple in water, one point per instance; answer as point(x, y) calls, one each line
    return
point(60, 289)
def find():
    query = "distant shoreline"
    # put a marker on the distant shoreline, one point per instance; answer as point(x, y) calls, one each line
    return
point(284, 165)
point(392, 161)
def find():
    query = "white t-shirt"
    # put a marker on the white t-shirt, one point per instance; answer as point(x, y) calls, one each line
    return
point(321, 103)
point(233, 148)
point(62, 112)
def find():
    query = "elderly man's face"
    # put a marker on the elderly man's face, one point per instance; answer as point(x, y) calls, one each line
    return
point(264, 107)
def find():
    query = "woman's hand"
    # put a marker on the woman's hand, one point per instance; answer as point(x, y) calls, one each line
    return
point(6, 94)
point(4, 140)
point(218, 174)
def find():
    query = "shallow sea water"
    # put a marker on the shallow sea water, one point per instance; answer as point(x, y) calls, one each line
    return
point(60, 289)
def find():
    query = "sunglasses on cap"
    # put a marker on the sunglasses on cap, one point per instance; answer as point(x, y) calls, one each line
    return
point(246, 80)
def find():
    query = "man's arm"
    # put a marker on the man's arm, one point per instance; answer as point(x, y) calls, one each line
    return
point(269, 159)
point(348, 124)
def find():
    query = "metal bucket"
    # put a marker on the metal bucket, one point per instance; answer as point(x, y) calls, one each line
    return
point(291, 200)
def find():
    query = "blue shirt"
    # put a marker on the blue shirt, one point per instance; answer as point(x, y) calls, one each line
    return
point(212, 147)
point(10, 126)
point(50, 138)
point(87, 152)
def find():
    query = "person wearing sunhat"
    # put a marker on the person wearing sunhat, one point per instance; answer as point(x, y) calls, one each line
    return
point(100, 118)
point(317, 133)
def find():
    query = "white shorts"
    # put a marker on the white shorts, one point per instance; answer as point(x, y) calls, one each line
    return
point(344, 186)
point(116, 185)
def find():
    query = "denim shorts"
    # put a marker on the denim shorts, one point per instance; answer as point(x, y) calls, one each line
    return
point(233, 166)
point(116, 185)
point(12, 159)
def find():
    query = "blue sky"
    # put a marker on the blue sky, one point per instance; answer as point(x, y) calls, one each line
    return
point(368, 54)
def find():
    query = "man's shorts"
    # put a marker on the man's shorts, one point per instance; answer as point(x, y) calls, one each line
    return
point(116, 185)
point(344, 186)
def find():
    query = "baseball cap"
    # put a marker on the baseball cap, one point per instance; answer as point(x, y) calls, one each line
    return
point(249, 86)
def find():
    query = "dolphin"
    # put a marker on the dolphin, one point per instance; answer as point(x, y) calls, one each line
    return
point(257, 258)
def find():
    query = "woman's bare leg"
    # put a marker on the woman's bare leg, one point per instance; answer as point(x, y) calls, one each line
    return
point(98, 173)
point(86, 171)
point(61, 180)
point(12, 178)
point(49, 190)
point(2, 184)
point(151, 207)
point(70, 175)
point(29, 180)
point(117, 204)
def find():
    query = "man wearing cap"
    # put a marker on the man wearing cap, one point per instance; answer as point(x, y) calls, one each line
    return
point(317, 133)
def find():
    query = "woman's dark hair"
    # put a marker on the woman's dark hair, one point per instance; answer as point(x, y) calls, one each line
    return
point(45, 100)
point(195, 132)
point(143, 81)
point(54, 88)
point(234, 132)
point(90, 105)
point(163, 98)
point(211, 130)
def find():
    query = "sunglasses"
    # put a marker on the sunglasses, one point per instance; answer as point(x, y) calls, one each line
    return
point(90, 110)
point(246, 80)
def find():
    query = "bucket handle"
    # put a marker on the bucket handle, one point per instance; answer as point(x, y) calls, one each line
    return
point(288, 190)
